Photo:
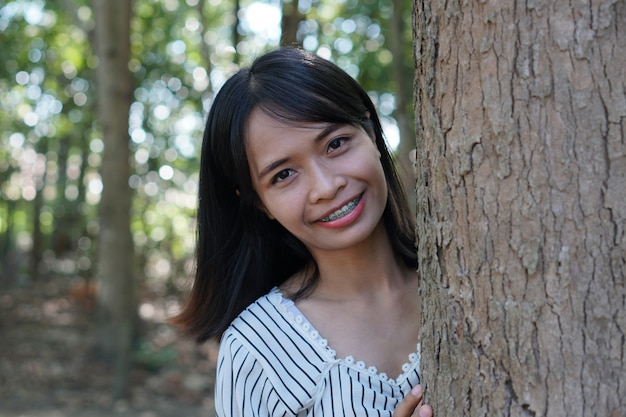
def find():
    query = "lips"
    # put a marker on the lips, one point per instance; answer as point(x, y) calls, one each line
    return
point(343, 211)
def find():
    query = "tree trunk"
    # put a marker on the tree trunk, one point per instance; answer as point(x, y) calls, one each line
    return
point(521, 120)
point(402, 75)
point(6, 234)
point(60, 239)
point(236, 35)
point(39, 173)
point(116, 296)
point(202, 32)
point(289, 23)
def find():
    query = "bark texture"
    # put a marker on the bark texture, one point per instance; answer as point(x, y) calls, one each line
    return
point(116, 297)
point(521, 187)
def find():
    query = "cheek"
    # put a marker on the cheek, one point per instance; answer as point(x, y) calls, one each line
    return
point(381, 178)
point(375, 166)
point(284, 207)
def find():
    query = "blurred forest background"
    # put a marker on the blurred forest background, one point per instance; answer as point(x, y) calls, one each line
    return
point(51, 184)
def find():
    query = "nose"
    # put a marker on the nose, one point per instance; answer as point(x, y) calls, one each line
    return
point(324, 182)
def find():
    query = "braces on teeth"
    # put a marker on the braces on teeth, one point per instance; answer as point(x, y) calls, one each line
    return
point(342, 211)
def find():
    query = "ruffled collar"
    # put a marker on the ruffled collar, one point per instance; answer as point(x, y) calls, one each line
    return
point(291, 312)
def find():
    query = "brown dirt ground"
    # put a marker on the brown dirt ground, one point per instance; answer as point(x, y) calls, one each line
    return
point(48, 367)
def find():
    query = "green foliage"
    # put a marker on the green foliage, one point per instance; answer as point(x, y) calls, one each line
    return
point(46, 97)
point(182, 51)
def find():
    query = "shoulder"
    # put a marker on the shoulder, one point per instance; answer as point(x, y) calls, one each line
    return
point(261, 350)
point(260, 319)
point(269, 332)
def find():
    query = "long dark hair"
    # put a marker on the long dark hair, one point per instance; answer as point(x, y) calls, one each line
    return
point(241, 254)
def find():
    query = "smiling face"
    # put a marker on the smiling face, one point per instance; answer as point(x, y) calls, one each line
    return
point(323, 182)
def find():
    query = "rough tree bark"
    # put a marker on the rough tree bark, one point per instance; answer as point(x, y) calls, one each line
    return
point(521, 121)
point(116, 296)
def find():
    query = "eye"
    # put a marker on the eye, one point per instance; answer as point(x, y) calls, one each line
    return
point(336, 143)
point(281, 175)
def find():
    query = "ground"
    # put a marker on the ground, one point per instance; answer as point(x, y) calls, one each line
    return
point(48, 367)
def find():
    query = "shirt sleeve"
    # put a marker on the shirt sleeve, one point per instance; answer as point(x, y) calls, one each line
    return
point(242, 387)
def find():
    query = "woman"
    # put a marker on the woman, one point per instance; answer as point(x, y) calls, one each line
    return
point(305, 257)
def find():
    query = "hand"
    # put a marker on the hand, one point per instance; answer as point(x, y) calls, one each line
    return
point(412, 406)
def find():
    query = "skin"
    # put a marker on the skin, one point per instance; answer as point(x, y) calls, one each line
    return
point(325, 184)
point(302, 174)
point(413, 406)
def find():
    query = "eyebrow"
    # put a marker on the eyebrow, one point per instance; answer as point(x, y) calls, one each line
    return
point(271, 167)
point(320, 136)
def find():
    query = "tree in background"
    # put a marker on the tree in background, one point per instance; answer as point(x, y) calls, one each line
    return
point(117, 301)
point(290, 22)
point(402, 75)
point(521, 114)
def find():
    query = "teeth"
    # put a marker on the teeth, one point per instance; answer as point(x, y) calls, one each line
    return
point(342, 211)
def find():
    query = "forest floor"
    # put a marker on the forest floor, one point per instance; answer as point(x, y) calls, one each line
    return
point(48, 366)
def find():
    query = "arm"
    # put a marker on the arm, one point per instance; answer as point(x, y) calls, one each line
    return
point(412, 405)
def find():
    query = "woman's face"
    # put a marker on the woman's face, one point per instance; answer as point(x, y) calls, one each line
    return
point(323, 182)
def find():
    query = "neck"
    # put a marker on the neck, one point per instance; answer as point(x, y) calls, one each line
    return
point(368, 270)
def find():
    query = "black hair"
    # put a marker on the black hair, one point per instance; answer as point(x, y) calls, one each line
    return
point(241, 254)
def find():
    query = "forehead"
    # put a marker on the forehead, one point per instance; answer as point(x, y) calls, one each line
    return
point(264, 131)
point(260, 120)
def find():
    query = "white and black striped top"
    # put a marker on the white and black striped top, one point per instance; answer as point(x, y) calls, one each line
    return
point(273, 363)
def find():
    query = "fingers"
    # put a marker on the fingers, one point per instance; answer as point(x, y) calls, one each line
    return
point(425, 411)
point(409, 403)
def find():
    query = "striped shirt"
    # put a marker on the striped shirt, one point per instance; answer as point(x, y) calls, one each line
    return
point(272, 362)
